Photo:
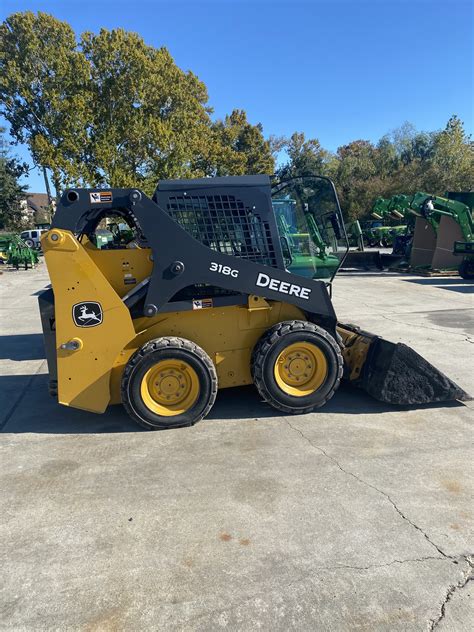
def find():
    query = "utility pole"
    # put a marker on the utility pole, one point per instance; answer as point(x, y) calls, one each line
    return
point(48, 191)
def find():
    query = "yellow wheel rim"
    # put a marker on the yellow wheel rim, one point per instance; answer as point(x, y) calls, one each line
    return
point(170, 387)
point(300, 369)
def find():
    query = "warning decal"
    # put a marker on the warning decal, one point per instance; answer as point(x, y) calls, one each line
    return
point(204, 303)
point(99, 197)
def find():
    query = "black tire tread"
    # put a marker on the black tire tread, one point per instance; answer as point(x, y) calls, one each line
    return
point(264, 345)
point(167, 342)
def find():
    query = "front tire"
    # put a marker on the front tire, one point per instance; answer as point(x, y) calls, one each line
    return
point(169, 383)
point(296, 366)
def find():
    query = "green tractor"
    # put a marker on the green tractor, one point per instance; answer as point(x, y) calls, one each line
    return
point(115, 235)
point(15, 252)
point(442, 228)
point(383, 236)
point(308, 243)
point(465, 248)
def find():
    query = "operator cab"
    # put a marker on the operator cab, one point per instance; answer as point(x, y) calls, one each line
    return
point(311, 226)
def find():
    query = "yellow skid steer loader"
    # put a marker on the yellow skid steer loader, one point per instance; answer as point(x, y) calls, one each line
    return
point(194, 292)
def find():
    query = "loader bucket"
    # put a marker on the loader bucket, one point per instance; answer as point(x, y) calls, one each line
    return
point(423, 245)
point(393, 372)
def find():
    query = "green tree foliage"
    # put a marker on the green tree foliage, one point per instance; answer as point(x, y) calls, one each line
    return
point(355, 172)
point(404, 161)
point(239, 148)
point(42, 91)
point(111, 110)
point(453, 157)
point(148, 119)
point(304, 157)
point(12, 193)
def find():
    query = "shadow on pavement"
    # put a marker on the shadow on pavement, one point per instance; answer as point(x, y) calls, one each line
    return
point(27, 407)
point(22, 347)
point(347, 272)
point(453, 318)
point(458, 284)
point(439, 281)
point(463, 289)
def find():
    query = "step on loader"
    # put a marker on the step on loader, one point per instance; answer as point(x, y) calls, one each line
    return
point(201, 297)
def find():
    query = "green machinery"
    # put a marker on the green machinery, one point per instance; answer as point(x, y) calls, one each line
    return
point(102, 238)
point(443, 228)
point(114, 236)
point(307, 254)
point(384, 236)
point(355, 234)
point(15, 252)
point(392, 209)
point(465, 248)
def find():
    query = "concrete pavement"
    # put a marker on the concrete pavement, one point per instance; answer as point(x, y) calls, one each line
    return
point(358, 517)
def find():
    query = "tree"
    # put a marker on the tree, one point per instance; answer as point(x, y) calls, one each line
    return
point(434, 162)
point(110, 110)
point(148, 118)
point(305, 157)
point(357, 177)
point(12, 193)
point(453, 158)
point(42, 91)
point(239, 148)
point(403, 161)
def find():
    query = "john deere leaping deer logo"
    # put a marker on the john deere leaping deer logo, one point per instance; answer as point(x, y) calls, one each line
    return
point(87, 314)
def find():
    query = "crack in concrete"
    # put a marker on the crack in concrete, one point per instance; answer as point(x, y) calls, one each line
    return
point(367, 484)
point(372, 566)
point(468, 575)
point(298, 580)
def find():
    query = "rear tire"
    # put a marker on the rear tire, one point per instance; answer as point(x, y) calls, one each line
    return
point(30, 243)
point(296, 366)
point(169, 383)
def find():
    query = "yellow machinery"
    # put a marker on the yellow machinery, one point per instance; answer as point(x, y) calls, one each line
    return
point(200, 299)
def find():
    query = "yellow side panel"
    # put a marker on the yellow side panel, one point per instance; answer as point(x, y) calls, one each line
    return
point(124, 267)
point(227, 334)
point(84, 373)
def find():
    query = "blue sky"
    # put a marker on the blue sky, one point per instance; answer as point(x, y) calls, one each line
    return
point(338, 70)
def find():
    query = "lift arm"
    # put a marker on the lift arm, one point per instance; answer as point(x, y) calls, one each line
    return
point(430, 207)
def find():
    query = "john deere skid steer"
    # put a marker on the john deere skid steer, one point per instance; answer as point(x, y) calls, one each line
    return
point(201, 297)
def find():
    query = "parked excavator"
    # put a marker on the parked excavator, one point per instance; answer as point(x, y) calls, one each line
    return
point(203, 298)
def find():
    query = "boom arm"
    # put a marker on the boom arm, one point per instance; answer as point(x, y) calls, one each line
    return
point(430, 207)
point(181, 261)
point(433, 207)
